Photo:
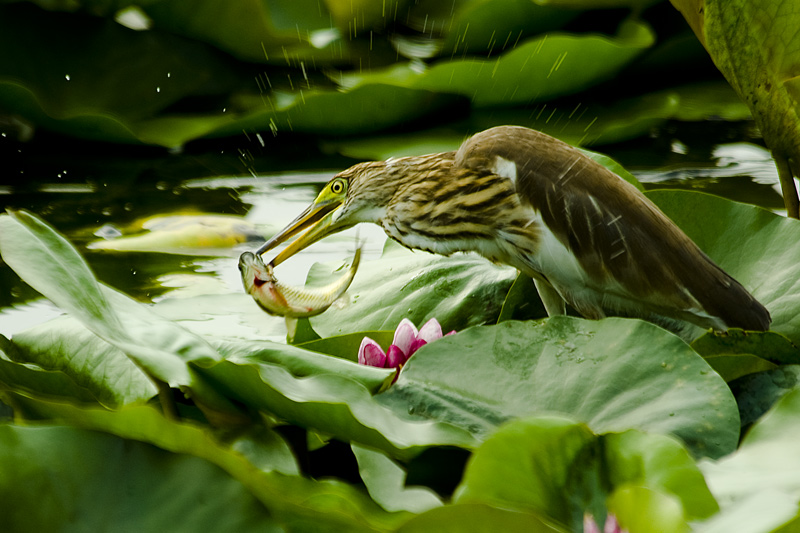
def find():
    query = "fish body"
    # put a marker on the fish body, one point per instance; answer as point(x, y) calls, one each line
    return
point(279, 299)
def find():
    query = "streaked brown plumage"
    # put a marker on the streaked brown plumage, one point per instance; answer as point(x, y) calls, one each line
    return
point(520, 197)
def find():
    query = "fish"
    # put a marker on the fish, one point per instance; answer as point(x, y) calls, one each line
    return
point(279, 299)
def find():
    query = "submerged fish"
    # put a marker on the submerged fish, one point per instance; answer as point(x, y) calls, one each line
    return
point(279, 299)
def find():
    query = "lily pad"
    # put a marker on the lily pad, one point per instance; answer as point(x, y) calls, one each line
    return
point(63, 345)
point(614, 374)
point(16, 375)
point(159, 348)
point(480, 27)
point(764, 471)
point(734, 366)
point(261, 465)
point(333, 404)
point(478, 518)
point(385, 481)
point(54, 478)
point(559, 469)
point(770, 345)
point(750, 244)
point(753, 45)
point(757, 393)
point(551, 65)
point(458, 291)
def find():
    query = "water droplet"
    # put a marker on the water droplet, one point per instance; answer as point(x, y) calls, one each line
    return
point(663, 365)
point(158, 89)
point(411, 410)
point(67, 77)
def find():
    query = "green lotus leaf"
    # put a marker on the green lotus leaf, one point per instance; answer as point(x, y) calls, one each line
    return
point(768, 344)
point(54, 478)
point(302, 363)
point(67, 82)
point(458, 291)
point(750, 244)
point(21, 376)
point(385, 481)
point(757, 393)
point(346, 346)
point(223, 317)
point(365, 109)
point(764, 471)
point(646, 510)
point(538, 69)
point(160, 348)
point(522, 301)
point(333, 404)
point(256, 31)
point(477, 518)
point(615, 374)
point(597, 4)
point(63, 345)
point(557, 468)
point(585, 124)
point(480, 27)
point(754, 46)
point(734, 366)
point(261, 464)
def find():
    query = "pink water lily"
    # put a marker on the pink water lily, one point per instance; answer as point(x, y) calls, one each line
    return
point(407, 340)
point(611, 525)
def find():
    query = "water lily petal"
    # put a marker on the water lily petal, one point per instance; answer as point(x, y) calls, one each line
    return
point(371, 354)
point(416, 345)
point(589, 525)
point(431, 331)
point(612, 526)
point(405, 334)
point(395, 357)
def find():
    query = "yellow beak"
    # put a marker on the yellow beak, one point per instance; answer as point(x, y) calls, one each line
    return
point(317, 220)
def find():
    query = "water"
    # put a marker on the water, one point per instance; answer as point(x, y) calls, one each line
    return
point(91, 191)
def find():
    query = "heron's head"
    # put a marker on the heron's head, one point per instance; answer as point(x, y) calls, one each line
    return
point(359, 194)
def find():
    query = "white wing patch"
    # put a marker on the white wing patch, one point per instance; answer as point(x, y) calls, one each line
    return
point(505, 168)
point(556, 262)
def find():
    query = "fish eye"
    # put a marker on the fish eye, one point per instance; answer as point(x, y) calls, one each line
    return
point(337, 186)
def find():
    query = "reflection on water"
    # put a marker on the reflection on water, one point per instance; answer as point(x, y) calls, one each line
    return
point(95, 195)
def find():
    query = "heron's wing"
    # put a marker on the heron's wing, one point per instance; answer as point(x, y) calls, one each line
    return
point(623, 242)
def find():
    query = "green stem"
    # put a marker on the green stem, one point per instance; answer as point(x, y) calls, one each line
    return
point(790, 199)
point(167, 401)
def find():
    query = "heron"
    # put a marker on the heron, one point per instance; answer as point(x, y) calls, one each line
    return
point(519, 197)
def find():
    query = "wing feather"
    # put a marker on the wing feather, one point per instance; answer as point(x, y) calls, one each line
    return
point(627, 247)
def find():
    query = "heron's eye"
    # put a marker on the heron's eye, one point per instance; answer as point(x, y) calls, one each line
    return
point(338, 186)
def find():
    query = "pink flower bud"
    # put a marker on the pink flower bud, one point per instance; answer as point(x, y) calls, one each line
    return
point(431, 331)
point(371, 354)
point(395, 357)
point(404, 335)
